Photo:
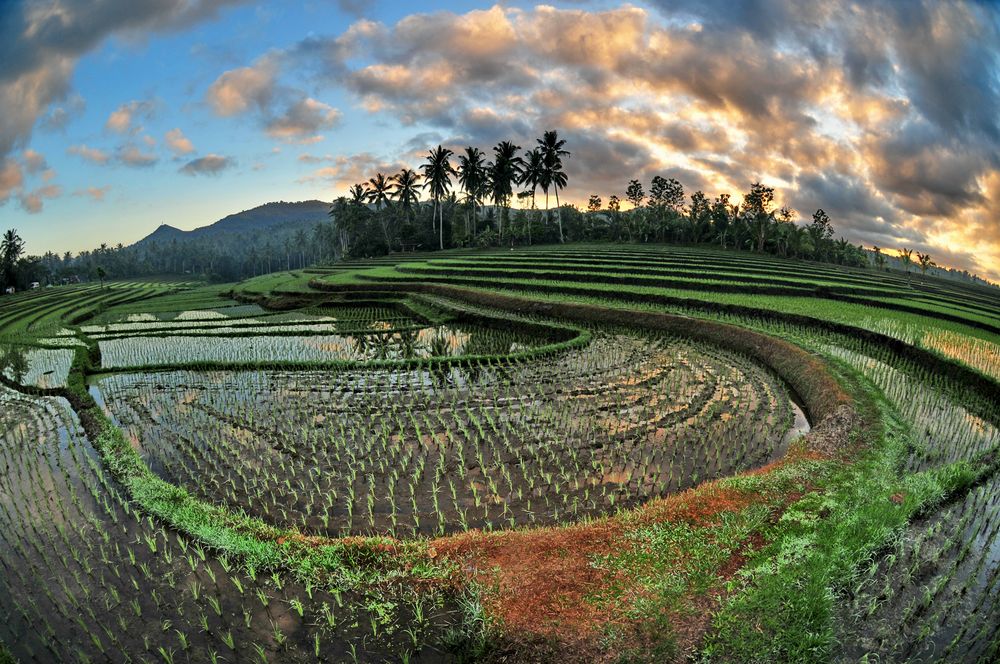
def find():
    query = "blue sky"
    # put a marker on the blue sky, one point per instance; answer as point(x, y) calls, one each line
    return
point(173, 71)
point(119, 115)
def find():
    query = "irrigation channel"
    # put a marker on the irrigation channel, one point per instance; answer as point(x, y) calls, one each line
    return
point(380, 414)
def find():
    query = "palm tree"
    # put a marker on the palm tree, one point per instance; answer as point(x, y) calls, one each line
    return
point(359, 194)
point(472, 177)
point(301, 240)
point(437, 177)
point(405, 190)
point(378, 193)
point(879, 258)
point(504, 172)
point(552, 151)
point(907, 256)
point(925, 262)
point(535, 174)
point(11, 248)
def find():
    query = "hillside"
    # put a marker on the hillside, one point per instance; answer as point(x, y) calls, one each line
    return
point(278, 218)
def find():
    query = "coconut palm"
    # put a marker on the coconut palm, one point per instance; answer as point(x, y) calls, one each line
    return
point(359, 194)
point(472, 178)
point(925, 262)
point(552, 151)
point(405, 189)
point(11, 249)
point(907, 256)
point(505, 171)
point(301, 240)
point(379, 188)
point(878, 257)
point(535, 174)
point(437, 177)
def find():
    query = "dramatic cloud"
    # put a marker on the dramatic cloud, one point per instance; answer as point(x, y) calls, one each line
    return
point(42, 41)
point(92, 155)
point(240, 90)
point(302, 121)
point(255, 89)
point(882, 113)
point(211, 164)
point(179, 143)
point(346, 170)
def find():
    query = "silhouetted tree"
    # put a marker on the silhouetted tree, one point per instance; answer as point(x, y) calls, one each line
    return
point(552, 152)
point(11, 248)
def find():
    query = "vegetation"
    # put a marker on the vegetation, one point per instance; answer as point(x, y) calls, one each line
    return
point(578, 452)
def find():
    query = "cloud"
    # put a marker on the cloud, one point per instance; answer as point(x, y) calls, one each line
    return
point(211, 164)
point(255, 89)
point(354, 7)
point(42, 42)
point(58, 117)
point(131, 155)
point(240, 90)
point(90, 154)
point(307, 158)
point(882, 113)
point(96, 194)
point(121, 119)
point(11, 178)
point(33, 161)
point(302, 121)
point(33, 201)
point(178, 142)
point(347, 170)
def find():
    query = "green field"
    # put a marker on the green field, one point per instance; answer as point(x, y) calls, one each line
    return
point(606, 452)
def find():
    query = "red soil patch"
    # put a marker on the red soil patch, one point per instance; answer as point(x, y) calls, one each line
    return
point(696, 507)
point(542, 577)
point(538, 581)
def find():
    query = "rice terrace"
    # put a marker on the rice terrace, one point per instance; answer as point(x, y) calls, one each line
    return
point(571, 358)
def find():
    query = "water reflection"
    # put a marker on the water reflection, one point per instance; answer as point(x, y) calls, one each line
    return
point(13, 362)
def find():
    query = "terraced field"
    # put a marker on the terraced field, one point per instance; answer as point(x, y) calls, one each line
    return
point(580, 453)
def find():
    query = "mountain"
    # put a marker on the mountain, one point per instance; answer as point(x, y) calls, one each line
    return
point(271, 219)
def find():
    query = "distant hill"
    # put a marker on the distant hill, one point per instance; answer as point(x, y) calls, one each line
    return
point(277, 219)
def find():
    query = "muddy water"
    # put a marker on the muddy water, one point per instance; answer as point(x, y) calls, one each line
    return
point(478, 446)
point(800, 425)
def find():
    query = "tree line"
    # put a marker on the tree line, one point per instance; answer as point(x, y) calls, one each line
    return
point(473, 201)
point(471, 205)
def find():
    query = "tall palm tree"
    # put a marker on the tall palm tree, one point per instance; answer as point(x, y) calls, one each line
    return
point(552, 150)
point(404, 189)
point(378, 193)
point(472, 178)
point(11, 248)
point(504, 172)
point(301, 241)
point(437, 177)
point(379, 190)
point(534, 174)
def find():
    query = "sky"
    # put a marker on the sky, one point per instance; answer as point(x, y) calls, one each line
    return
point(119, 115)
